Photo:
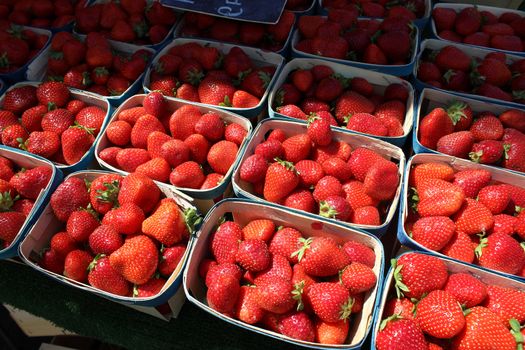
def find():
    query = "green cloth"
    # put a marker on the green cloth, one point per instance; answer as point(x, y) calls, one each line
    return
point(92, 316)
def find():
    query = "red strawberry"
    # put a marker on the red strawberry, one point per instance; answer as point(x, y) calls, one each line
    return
point(487, 128)
point(297, 148)
point(474, 218)
point(62, 244)
point(335, 207)
point(495, 198)
point(19, 99)
point(104, 192)
point(140, 190)
point(430, 170)
point(281, 179)
point(410, 266)
point(76, 141)
point(136, 260)
point(468, 21)
point(439, 197)
point(368, 215)
point(326, 187)
point(225, 241)
point(319, 131)
point(129, 159)
point(484, 329)
point(31, 182)
point(171, 258)
point(274, 294)
point(337, 168)
point(292, 111)
point(211, 126)
point(109, 155)
point(351, 103)
point(223, 293)
point(297, 325)
point(215, 91)
point(434, 126)
point(433, 232)
point(444, 18)
point(188, 174)
point(183, 120)
point(175, 152)
point(144, 126)
point(57, 120)
point(80, 224)
point(362, 160)
point(460, 61)
point(400, 333)
point(356, 195)
point(53, 92)
point(150, 288)
point(235, 133)
point(505, 224)
point(457, 144)
point(513, 118)
point(366, 123)
point(487, 152)
point(440, 315)
point(119, 132)
point(514, 157)
point(246, 308)
point(500, 252)
point(91, 117)
point(76, 265)
point(68, 197)
point(331, 302)
point(126, 219)
point(104, 277)
point(11, 223)
point(285, 242)
point(472, 181)
point(253, 169)
point(157, 169)
point(167, 223)
point(331, 332)
point(466, 289)
point(358, 278)
point(381, 181)
point(460, 247)
point(253, 255)
point(14, 136)
point(507, 303)
point(105, 239)
point(320, 256)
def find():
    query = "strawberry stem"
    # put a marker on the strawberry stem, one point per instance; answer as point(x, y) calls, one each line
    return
point(93, 264)
point(297, 294)
point(346, 309)
point(110, 194)
point(301, 251)
point(398, 277)
point(387, 320)
point(192, 219)
point(327, 211)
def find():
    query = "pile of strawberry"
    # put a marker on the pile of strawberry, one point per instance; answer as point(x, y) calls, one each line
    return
point(198, 73)
point(318, 174)
point(446, 310)
point(47, 121)
point(270, 37)
point(185, 147)
point(117, 233)
point(410, 9)
point(130, 21)
point(342, 36)
point(354, 103)
point(468, 216)
point(40, 13)
point(18, 46)
point(482, 28)
point(19, 188)
point(452, 69)
point(276, 278)
point(93, 64)
point(484, 137)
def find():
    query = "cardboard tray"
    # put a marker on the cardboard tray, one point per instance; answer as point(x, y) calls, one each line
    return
point(284, 51)
point(38, 68)
point(90, 99)
point(472, 51)
point(259, 57)
point(430, 99)
point(21, 73)
point(154, 47)
point(244, 190)
point(458, 164)
point(312, 9)
point(486, 277)
point(494, 10)
point(47, 225)
point(397, 70)
point(379, 80)
point(419, 22)
point(243, 211)
point(205, 198)
point(29, 161)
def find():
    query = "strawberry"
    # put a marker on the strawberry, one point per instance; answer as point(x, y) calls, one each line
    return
point(150, 288)
point(514, 157)
point(133, 68)
point(277, 134)
point(297, 148)
point(155, 141)
point(109, 155)
point(399, 333)
point(500, 252)
point(483, 329)
point(144, 126)
point(430, 170)
point(472, 181)
point(274, 294)
point(140, 190)
point(136, 260)
point(335, 167)
point(215, 91)
point(222, 155)
point(175, 152)
point(327, 186)
point(31, 182)
point(301, 200)
point(76, 265)
point(368, 215)
point(188, 174)
point(434, 126)
point(167, 85)
point(468, 21)
point(62, 243)
point(119, 132)
point(439, 197)
point(331, 302)
point(433, 232)
point(53, 92)
point(253, 169)
point(440, 315)
point(128, 159)
point(319, 131)
point(170, 259)
point(297, 325)
point(492, 71)
point(246, 308)
point(320, 256)
point(495, 198)
point(444, 61)
point(225, 241)
point(211, 126)
point(235, 133)
point(381, 181)
point(350, 103)
point(256, 82)
point(216, 271)
point(80, 224)
point(285, 242)
point(117, 85)
point(105, 239)
point(104, 277)
point(487, 152)
point(474, 218)
point(183, 121)
point(126, 219)
point(292, 111)
point(366, 123)
point(505, 224)
point(466, 289)
point(358, 278)
point(487, 128)
point(223, 293)
point(335, 207)
point(167, 223)
point(253, 255)
point(356, 195)
point(243, 99)
point(409, 267)
point(444, 18)
point(328, 89)
point(8, 118)
point(513, 118)
point(14, 135)
point(68, 197)
point(19, 99)
point(212, 180)
point(91, 117)
point(157, 169)
point(76, 141)
point(57, 120)
point(361, 161)
point(281, 179)
point(11, 222)
point(460, 247)
point(103, 192)
point(270, 149)
point(457, 144)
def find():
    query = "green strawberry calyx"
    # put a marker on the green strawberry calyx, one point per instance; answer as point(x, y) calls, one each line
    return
point(192, 219)
point(346, 309)
point(226, 102)
point(6, 201)
point(93, 264)
point(327, 211)
point(306, 242)
point(285, 164)
point(475, 156)
point(456, 111)
point(389, 319)
point(297, 294)
point(90, 131)
point(401, 288)
point(483, 242)
point(506, 149)
point(110, 194)
point(515, 330)
point(312, 117)
point(413, 199)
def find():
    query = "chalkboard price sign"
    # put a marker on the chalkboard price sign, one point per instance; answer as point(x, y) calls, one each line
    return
point(263, 11)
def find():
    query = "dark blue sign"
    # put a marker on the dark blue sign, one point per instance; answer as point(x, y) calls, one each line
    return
point(263, 11)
